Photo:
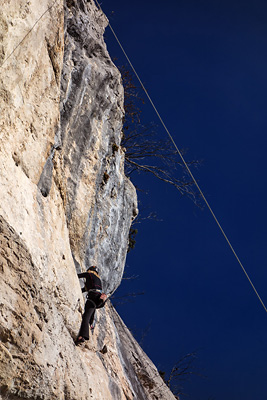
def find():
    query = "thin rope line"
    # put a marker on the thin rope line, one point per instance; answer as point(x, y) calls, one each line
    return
point(185, 164)
point(22, 40)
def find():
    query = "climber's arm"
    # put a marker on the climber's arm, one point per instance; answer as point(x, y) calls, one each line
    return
point(83, 275)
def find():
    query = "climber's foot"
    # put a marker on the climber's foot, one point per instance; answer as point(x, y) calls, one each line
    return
point(79, 340)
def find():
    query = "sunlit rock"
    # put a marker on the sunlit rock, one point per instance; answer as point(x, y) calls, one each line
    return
point(65, 204)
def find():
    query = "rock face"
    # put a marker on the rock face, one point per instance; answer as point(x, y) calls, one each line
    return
point(100, 202)
point(65, 204)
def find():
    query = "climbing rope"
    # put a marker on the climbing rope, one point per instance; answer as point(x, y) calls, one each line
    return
point(166, 129)
point(22, 40)
point(184, 162)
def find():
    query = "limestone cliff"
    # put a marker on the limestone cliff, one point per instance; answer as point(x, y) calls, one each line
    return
point(65, 203)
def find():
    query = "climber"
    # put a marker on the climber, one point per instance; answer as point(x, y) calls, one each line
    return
point(95, 299)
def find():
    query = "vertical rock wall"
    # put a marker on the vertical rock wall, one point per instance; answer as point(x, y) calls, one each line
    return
point(100, 202)
point(65, 203)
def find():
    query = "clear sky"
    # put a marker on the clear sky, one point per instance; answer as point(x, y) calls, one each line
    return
point(204, 64)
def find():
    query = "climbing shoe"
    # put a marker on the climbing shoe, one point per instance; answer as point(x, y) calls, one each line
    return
point(79, 340)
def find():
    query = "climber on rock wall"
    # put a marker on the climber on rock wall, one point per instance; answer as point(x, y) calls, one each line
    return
point(95, 299)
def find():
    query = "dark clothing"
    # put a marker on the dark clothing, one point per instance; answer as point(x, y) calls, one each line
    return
point(93, 301)
point(93, 286)
point(93, 281)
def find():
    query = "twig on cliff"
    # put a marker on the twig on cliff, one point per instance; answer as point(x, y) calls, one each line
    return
point(126, 297)
point(164, 176)
point(130, 277)
point(181, 371)
point(144, 150)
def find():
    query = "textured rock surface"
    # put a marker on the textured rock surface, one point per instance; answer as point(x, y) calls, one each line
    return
point(100, 202)
point(65, 202)
point(38, 357)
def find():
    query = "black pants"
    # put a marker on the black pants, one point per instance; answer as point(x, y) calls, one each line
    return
point(93, 301)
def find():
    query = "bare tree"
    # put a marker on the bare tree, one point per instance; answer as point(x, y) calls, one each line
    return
point(180, 372)
point(144, 151)
point(119, 300)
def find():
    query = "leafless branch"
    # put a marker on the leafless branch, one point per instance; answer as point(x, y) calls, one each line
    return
point(128, 278)
point(145, 152)
point(181, 372)
point(126, 298)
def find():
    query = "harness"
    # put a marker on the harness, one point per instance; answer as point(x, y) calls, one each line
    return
point(92, 301)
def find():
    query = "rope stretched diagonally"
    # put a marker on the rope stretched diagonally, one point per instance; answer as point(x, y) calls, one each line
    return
point(167, 131)
point(27, 34)
point(185, 163)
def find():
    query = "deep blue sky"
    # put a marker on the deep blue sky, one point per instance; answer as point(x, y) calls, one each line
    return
point(204, 64)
